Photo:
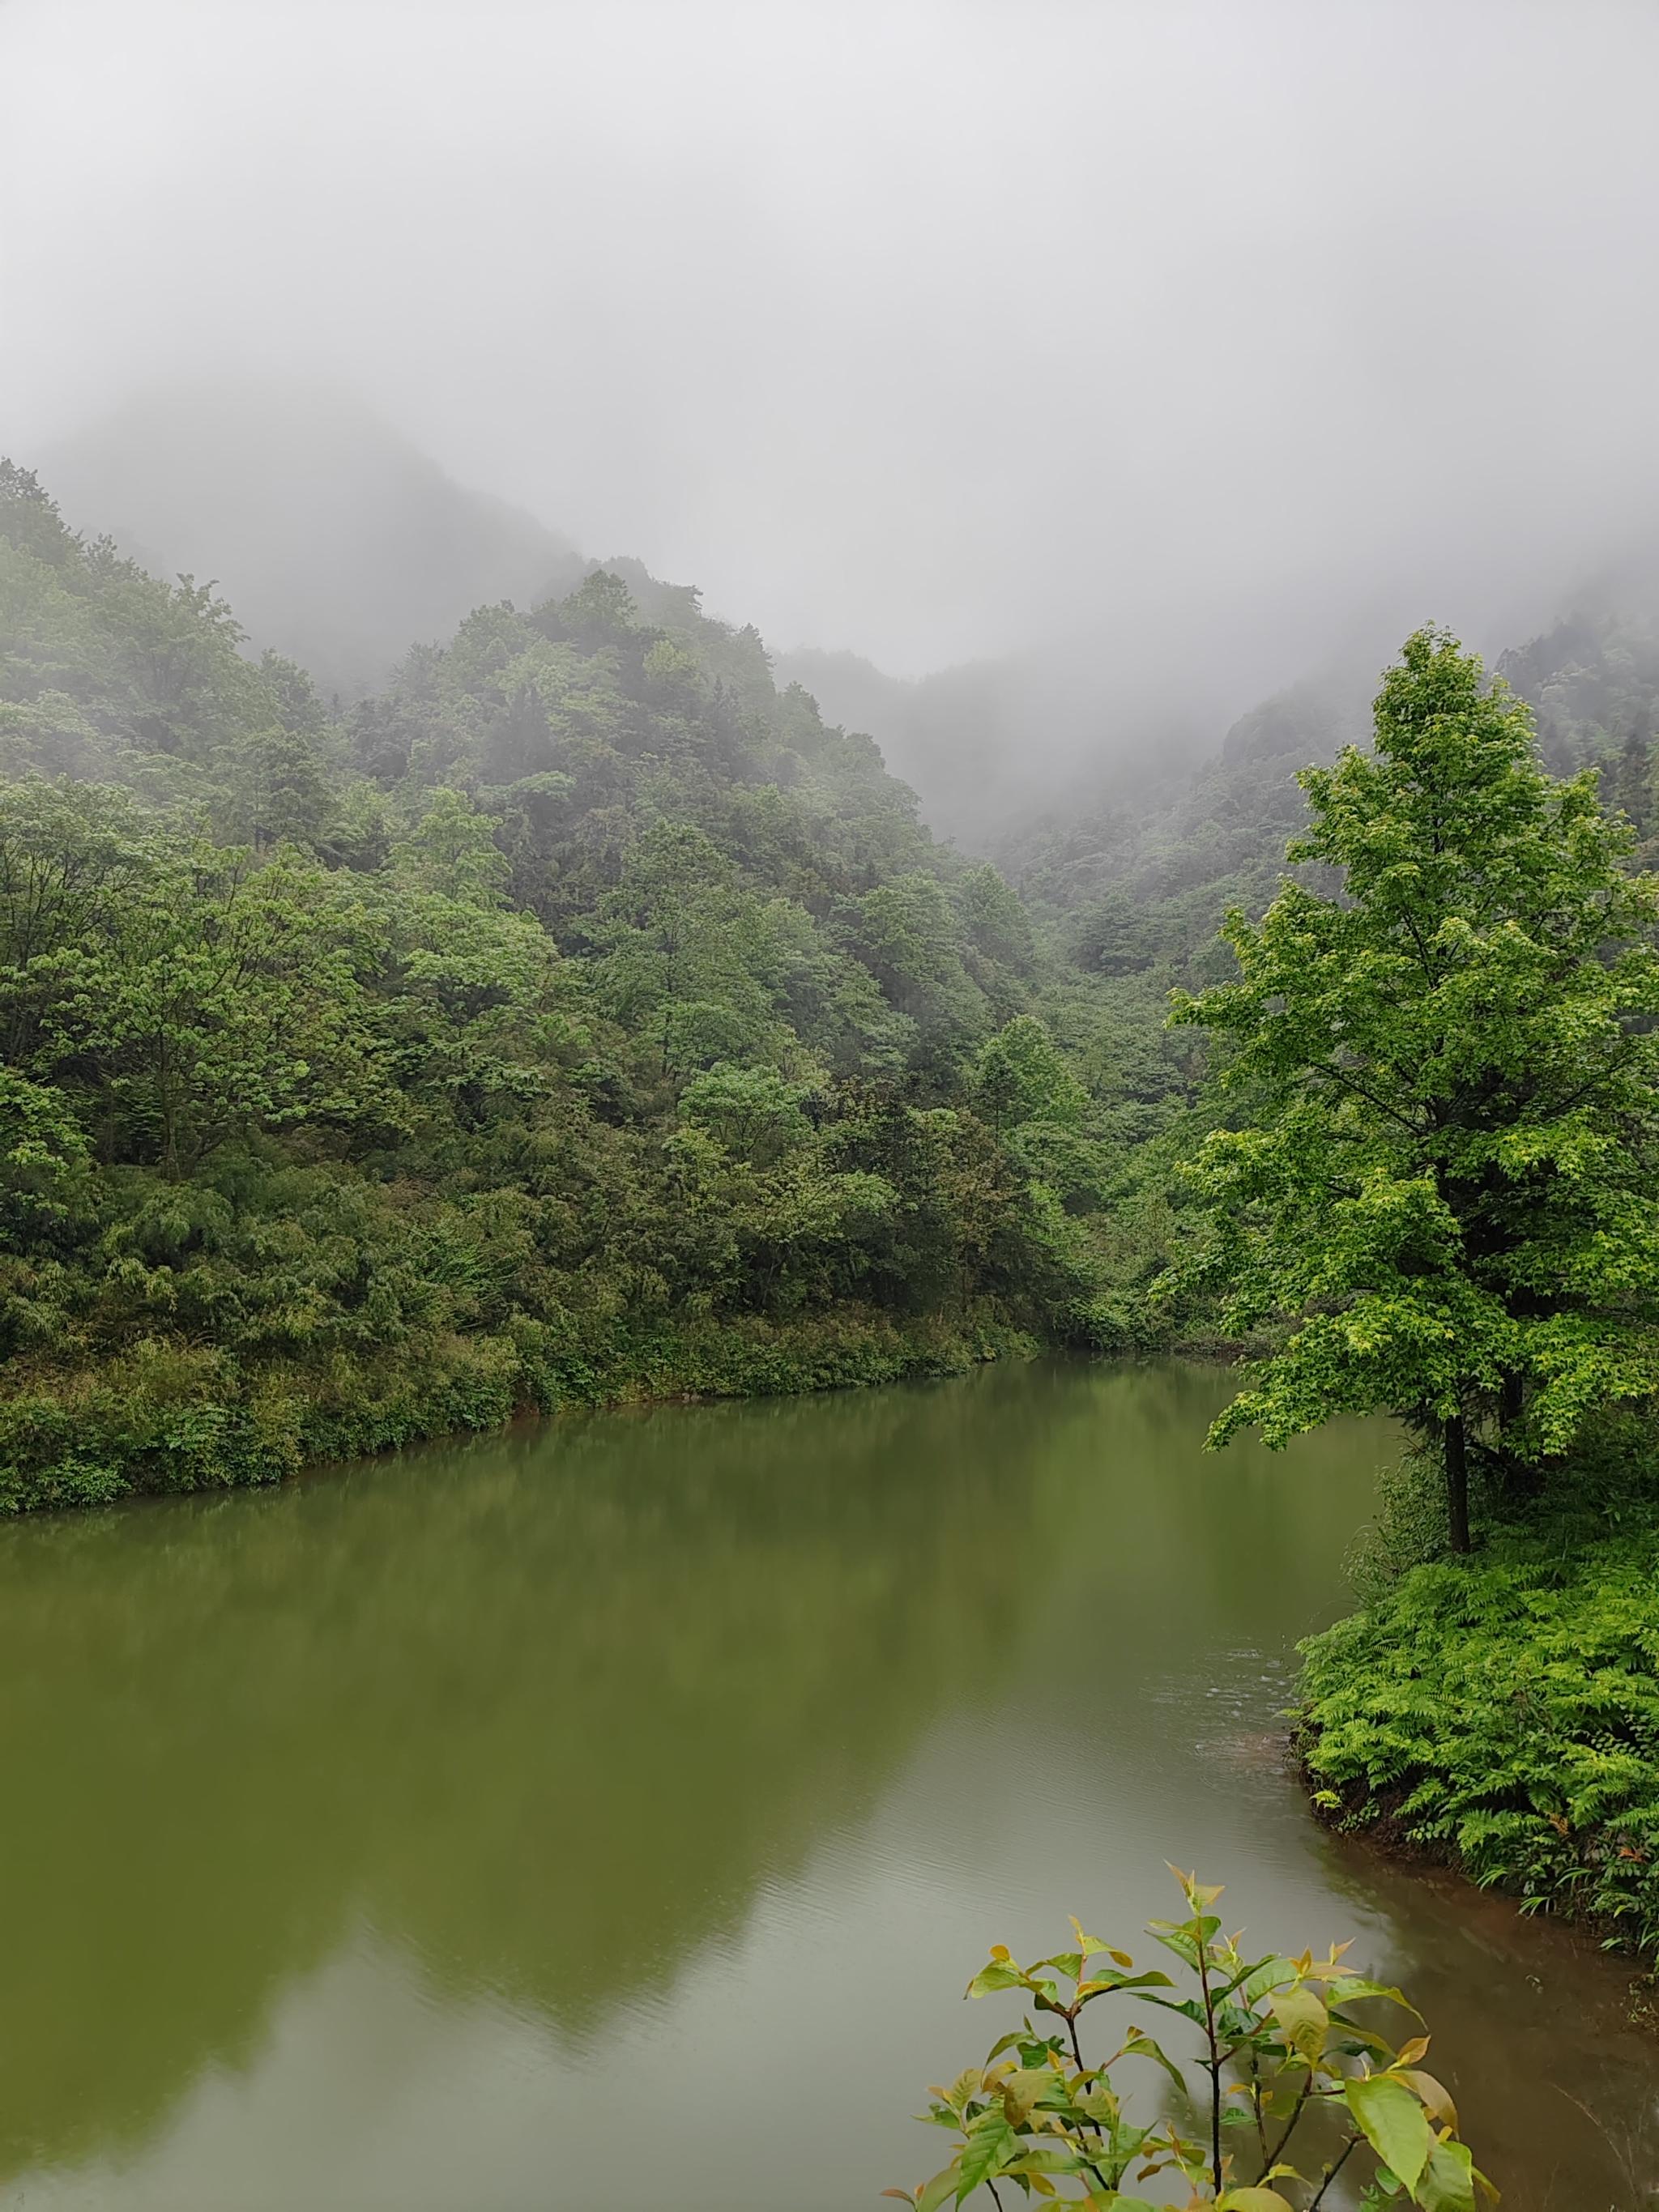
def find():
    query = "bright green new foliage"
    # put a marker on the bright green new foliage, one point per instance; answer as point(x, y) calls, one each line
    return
point(1291, 2085)
point(1446, 1073)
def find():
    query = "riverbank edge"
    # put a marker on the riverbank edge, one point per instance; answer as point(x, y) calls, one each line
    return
point(174, 1419)
point(1382, 1830)
point(177, 1418)
point(1421, 1782)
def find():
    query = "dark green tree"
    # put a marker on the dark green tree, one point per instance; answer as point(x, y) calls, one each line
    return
point(1441, 1191)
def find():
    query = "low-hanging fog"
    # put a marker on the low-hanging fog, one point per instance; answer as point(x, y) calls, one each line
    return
point(1173, 349)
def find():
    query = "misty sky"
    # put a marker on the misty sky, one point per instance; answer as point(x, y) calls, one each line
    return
point(1201, 330)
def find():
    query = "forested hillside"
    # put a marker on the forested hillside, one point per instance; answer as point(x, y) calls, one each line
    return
point(961, 736)
point(580, 1016)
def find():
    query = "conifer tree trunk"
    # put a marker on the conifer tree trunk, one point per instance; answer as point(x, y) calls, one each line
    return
point(1457, 1484)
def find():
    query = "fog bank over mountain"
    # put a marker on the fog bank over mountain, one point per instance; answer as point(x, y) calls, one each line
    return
point(335, 540)
point(989, 743)
point(1174, 349)
point(339, 543)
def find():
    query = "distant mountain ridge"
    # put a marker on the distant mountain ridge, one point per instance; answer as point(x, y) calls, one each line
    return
point(338, 542)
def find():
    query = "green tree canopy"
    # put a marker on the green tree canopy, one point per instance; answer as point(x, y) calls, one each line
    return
point(1021, 1075)
point(1448, 1068)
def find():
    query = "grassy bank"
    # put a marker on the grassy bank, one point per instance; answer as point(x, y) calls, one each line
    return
point(1502, 1713)
point(176, 1418)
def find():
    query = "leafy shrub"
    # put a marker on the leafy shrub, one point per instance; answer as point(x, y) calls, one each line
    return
point(1288, 2058)
point(194, 1421)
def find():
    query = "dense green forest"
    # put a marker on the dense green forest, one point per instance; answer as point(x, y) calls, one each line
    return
point(1425, 1182)
point(579, 1016)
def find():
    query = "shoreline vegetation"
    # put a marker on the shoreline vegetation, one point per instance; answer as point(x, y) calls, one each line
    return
point(113, 1440)
point(1499, 1715)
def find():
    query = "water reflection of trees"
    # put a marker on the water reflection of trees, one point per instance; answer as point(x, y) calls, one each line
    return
point(545, 1710)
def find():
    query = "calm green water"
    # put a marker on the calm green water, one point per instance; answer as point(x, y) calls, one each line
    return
point(609, 1816)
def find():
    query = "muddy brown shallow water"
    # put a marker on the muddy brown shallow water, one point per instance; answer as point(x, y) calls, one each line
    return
point(611, 1813)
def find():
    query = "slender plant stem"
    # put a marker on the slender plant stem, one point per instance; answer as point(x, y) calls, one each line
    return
point(1213, 2065)
point(1070, 2019)
point(1331, 2173)
point(1290, 2127)
point(1256, 2102)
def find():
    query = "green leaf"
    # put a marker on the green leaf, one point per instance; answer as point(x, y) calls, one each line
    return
point(1069, 1963)
point(1255, 1982)
point(1447, 2182)
point(1099, 2103)
point(1092, 1947)
point(1137, 2046)
point(1190, 2007)
point(970, 2082)
point(1351, 1987)
point(992, 1977)
point(1025, 2088)
point(1111, 1985)
point(988, 2139)
point(1305, 2021)
point(1434, 2093)
point(1393, 2122)
point(1045, 2158)
point(1180, 1937)
point(940, 2190)
point(1253, 2200)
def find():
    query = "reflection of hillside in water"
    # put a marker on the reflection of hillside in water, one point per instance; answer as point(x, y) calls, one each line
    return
point(545, 1710)
point(540, 1718)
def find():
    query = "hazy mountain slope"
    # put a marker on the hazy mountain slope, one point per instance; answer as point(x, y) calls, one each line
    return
point(987, 744)
point(1138, 876)
point(336, 540)
point(949, 735)
point(576, 1016)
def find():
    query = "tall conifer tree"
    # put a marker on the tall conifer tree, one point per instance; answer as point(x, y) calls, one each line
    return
point(1449, 1083)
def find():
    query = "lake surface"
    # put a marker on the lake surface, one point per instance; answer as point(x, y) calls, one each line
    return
point(609, 1814)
